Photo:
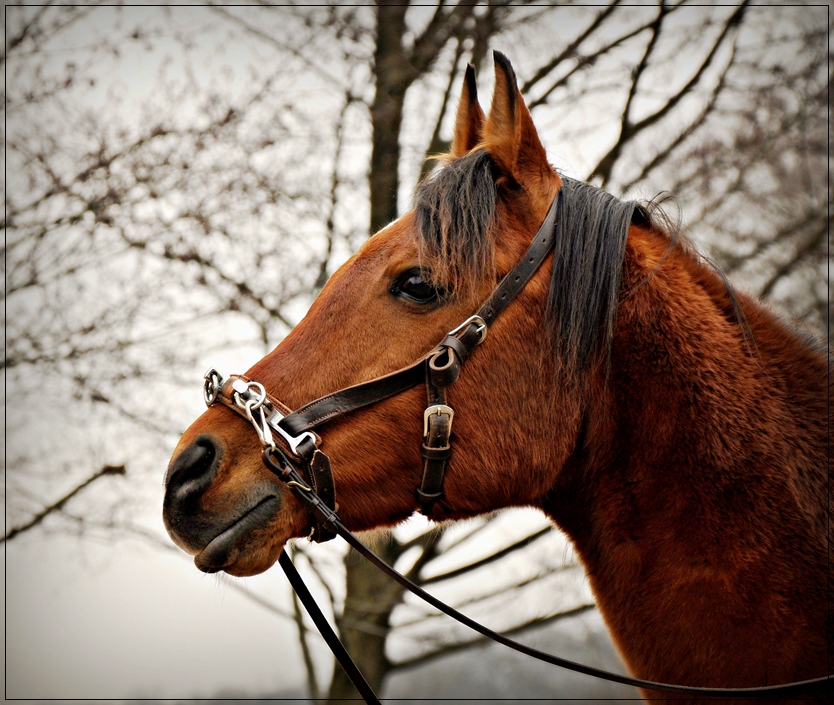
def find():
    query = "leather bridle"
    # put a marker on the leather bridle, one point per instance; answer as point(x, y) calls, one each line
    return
point(438, 369)
point(300, 463)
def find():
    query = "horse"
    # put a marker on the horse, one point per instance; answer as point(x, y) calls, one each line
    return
point(674, 429)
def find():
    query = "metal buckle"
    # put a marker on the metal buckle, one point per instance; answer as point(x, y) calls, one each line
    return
point(292, 441)
point(478, 321)
point(438, 409)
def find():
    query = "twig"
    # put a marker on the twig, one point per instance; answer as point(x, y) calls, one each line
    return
point(489, 559)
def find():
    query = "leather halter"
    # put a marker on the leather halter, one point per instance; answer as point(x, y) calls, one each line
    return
point(439, 369)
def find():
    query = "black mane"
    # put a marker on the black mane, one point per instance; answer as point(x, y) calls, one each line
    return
point(591, 230)
point(456, 213)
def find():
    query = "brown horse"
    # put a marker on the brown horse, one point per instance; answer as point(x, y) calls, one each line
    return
point(676, 432)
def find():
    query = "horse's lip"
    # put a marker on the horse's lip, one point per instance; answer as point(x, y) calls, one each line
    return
point(222, 550)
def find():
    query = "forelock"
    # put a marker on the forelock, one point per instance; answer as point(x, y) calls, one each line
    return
point(455, 213)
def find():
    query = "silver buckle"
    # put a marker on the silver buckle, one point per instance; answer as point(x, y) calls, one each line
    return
point(478, 321)
point(438, 409)
point(293, 441)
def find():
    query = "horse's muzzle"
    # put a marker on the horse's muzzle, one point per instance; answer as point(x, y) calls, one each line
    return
point(214, 536)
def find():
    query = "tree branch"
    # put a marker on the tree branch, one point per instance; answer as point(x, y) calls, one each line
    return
point(606, 164)
point(439, 30)
point(489, 559)
point(664, 154)
point(436, 144)
point(815, 240)
point(629, 129)
point(309, 666)
point(733, 22)
point(257, 32)
point(321, 278)
point(445, 651)
point(55, 506)
point(58, 26)
point(428, 554)
point(588, 60)
point(570, 49)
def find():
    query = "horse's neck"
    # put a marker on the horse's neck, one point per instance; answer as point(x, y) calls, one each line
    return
point(703, 467)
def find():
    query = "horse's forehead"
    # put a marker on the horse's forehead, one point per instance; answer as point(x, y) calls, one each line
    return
point(396, 242)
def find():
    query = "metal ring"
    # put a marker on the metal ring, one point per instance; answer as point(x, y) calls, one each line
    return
point(212, 384)
point(259, 402)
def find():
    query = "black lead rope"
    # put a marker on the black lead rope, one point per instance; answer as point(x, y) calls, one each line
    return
point(327, 516)
point(326, 631)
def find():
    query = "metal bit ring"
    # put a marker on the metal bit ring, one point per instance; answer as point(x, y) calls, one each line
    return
point(211, 386)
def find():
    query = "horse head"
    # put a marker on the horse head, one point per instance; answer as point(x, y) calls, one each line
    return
point(409, 284)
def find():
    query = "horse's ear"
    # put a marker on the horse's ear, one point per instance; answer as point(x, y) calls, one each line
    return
point(469, 121)
point(509, 134)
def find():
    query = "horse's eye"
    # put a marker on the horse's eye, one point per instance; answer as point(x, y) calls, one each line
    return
point(413, 286)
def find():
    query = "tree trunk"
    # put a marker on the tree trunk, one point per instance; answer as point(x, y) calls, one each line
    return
point(393, 75)
point(370, 595)
point(363, 626)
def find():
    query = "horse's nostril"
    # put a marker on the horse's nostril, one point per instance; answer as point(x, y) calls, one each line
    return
point(192, 471)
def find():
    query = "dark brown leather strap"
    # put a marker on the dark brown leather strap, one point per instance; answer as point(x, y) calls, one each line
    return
point(226, 395)
point(321, 476)
point(339, 651)
point(512, 284)
point(351, 398)
point(437, 431)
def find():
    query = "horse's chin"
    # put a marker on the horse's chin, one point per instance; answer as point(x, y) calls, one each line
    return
point(247, 547)
point(251, 564)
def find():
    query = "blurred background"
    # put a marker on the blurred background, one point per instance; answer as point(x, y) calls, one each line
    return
point(181, 181)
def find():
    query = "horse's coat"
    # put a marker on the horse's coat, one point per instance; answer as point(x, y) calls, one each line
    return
point(676, 433)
